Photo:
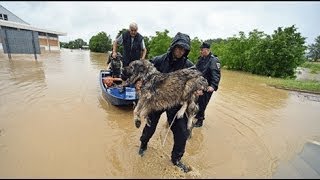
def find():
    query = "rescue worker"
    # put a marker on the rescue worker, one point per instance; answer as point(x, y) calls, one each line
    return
point(174, 59)
point(209, 65)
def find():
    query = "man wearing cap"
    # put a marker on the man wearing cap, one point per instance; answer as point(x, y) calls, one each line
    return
point(174, 59)
point(209, 65)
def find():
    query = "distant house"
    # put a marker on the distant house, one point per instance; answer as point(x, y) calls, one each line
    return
point(18, 36)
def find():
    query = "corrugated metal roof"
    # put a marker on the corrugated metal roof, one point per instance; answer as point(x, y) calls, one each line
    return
point(11, 14)
point(29, 27)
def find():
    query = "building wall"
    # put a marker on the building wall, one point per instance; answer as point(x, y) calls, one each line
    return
point(50, 42)
point(11, 16)
point(46, 43)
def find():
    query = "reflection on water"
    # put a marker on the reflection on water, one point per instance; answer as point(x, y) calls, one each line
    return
point(54, 123)
point(98, 60)
point(21, 81)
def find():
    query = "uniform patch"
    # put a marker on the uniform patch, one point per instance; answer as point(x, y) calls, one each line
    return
point(218, 65)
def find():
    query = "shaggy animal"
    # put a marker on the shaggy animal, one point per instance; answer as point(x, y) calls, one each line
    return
point(162, 91)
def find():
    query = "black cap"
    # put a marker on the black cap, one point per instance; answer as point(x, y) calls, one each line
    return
point(205, 45)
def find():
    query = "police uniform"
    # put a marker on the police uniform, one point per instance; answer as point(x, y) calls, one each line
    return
point(210, 68)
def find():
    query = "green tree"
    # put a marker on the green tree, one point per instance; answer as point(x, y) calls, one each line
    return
point(100, 43)
point(147, 44)
point(277, 55)
point(159, 44)
point(314, 50)
point(76, 44)
point(71, 45)
point(220, 50)
point(234, 53)
point(120, 47)
point(195, 50)
point(79, 43)
point(63, 45)
point(288, 51)
point(214, 41)
point(259, 57)
point(257, 50)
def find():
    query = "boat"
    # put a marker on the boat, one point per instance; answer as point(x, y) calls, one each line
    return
point(116, 94)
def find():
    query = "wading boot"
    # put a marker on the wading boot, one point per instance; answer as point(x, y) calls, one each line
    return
point(182, 166)
point(142, 149)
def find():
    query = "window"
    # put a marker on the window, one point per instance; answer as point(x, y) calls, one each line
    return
point(4, 17)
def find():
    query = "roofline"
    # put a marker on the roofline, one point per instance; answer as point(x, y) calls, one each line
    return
point(15, 15)
point(28, 27)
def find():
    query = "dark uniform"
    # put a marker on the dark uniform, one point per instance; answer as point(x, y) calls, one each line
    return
point(210, 68)
point(165, 64)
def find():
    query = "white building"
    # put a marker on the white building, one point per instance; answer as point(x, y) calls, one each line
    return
point(9, 22)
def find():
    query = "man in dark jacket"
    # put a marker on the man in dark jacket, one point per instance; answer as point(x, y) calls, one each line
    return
point(209, 65)
point(174, 59)
point(133, 45)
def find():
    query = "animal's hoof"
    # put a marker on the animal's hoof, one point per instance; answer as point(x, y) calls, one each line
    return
point(137, 123)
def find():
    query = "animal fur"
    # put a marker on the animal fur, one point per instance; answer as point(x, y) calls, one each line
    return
point(161, 91)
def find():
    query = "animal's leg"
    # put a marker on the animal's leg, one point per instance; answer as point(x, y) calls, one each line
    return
point(192, 112)
point(191, 122)
point(144, 116)
point(188, 88)
point(182, 110)
point(137, 115)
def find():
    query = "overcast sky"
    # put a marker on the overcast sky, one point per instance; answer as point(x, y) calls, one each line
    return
point(205, 20)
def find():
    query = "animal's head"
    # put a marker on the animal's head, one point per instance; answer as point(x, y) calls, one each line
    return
point(201, 85)
point(138, 70)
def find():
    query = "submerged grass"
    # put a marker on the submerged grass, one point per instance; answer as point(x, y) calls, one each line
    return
point(292, 84)
point(313, 66)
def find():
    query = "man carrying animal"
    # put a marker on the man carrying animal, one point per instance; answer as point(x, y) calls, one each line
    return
point(174, 59)
point(209, 65)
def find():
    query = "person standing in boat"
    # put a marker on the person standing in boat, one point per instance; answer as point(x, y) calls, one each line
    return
point(133, 45)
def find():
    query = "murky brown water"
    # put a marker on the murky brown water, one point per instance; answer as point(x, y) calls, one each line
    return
point(54, 123)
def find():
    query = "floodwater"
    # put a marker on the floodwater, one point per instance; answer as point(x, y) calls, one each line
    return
point(54, 123)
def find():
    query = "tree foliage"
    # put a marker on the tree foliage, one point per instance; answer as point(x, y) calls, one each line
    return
point(147, 44)
point(76, 44)
point(159, 43)
point(120, 47)
point(100, 43)
point(195, 50)
point(314, 50)
point(277, 55)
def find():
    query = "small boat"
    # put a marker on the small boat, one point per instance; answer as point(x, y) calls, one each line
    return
point(116, 94)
